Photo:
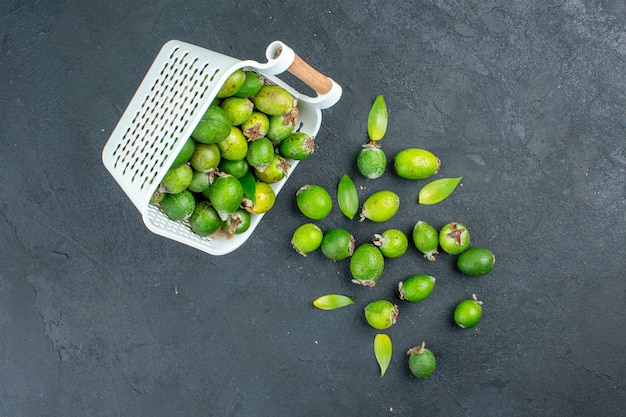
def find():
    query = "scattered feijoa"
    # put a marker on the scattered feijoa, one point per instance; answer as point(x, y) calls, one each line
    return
point(476, 261)
point(416, 164)
point(307, 238)
point(426, 239)
point(468, 313)
point(371, 161)
point(314, 201)
point(337, 244)
point(381, 314)
point(393, 243)
point(366, 265)
point(422, 362)
point(416, 288)
point(380, 206)
point(454, 238)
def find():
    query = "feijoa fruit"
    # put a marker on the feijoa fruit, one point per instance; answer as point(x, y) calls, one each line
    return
point(380, 206)
point(307, 238)
point(416, 288)
point(468, 313)
point(426, 239)
point(314, 201)
point(392, 243)
point(371, 161)
point(416, 164)
point(337, 244)
point(366, 265)
point(422, 362)
point(381, 314)
point(476, 261)
point(454, 238)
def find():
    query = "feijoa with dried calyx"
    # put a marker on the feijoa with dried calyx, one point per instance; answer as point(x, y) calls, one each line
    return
point(454, 238)
point(206, 157)
point(204, 221)
point(225, 195)
point(274, 100)
point(255, 126)
point(238, 222)
point(235, 146)
point(347, 197)
point(468, 313)
point(298, 146)
point(282, 125)
point(422, 362)
point(426, 239)
point(275, 171)
point(307, 238)
point(366, 265)
point(264, 199)
point(177, 179)
point(416, 288)
point(381, 314)
point(232, 84)
point(314, 201)
point(157, 196)
point(178, 206)
point(476, 261)
point(213, 127)
point(416, 164)
point(337, 244)
point(380, 206)
point(392, 243)
point(371, 161)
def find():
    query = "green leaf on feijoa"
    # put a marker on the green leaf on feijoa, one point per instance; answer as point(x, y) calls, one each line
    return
point(249, 186)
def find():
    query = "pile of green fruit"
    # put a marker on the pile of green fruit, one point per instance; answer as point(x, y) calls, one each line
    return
point(245, 141)
point(367, 260)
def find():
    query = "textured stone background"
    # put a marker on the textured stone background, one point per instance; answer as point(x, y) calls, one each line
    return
point(525, 100)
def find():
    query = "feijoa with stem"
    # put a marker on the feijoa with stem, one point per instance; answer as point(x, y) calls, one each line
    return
point(255, 126)
point(307, 238)
point(238, 222)
point(392, 243)
point(381, 314)
point(337, 244)
point(371, 161)
point(468, 313)
point(225, 195)
point(422, 362)
point(416, 288)
point(264, 199)
point(260, 153)
point(298, 146)
point(476, 261)
point(282, 125)
point(275, 171)
point(426, 239)
point(454, 238)
point(366, 265)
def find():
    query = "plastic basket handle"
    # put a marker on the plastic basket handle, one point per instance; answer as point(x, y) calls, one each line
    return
point(328, 90)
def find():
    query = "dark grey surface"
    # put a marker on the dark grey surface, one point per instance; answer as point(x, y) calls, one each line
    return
point(100, 317)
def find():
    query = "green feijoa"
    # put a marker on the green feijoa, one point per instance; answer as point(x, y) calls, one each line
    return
point(314, 201)
point(252, 83)
point(476, 261)
point(282, 125)
point(232, 84)
point(204, 221)
point(298, 145)
point(238, 109)
point(392, 243)
point(307, 238)
point(238, 222)
point(178, 206)
point(275, 171)
point(426, 239)
point(416, 288)
point(380, 206)
point(199, 182)
point(371, 161)
point(454, 238)
point(337, 244)
point(235, 168)
point(468, 313)
point(157, 196)
point(422, 362)
point(235, 146)
point(213, 127)
point(366, 265)
point(225, 195)
point(185, 153)
point(176, 179)
point(381, 314)
point(255, 126)
point(260, 153)
point(274, 100)
point(206, 157)
point(264, 199)
point(416, 164)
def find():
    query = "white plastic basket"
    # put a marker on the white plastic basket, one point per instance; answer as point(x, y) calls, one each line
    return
point(178, 88)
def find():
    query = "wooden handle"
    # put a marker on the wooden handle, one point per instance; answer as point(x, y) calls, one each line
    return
point(309, 75)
